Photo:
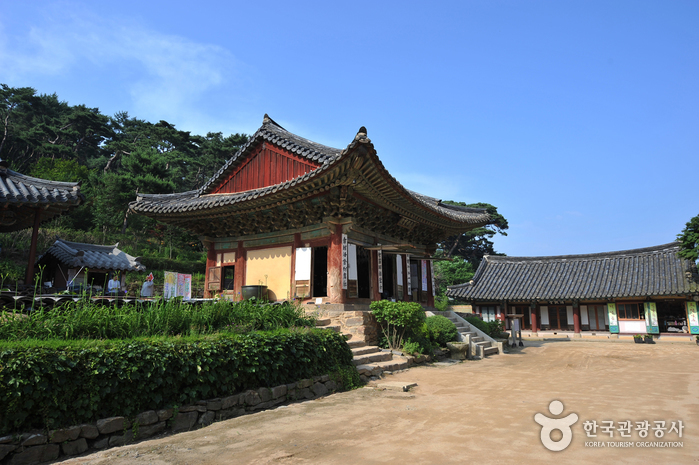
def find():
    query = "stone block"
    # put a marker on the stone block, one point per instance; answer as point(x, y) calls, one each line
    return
point(29, 439)
point(265, 394)
point(207, 418)
point(6, 449)
point(7, 439)
point(319, 389)
point(279, 391)
point(36, 454)
point(354, 321)
point(306, 394)
point(184, 421)
point(304, 383)
point(230, 401)
point(74, 447)
point(150, 430)
point(110, 425)
point(193, 408)
point(229, 413)
point(62, 435)
point(214, 404)
point(165, 414)
point(101, 443)
point(325, 378)
point(251, 398)
point(291, 386)
point(89, 431)
point(262, 406)
point(117, 440)
point(332, 386)
point(147, 418)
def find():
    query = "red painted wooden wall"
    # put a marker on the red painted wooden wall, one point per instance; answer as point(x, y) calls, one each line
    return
point(266, 166)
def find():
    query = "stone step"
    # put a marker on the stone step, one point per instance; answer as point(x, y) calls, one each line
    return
point(490, 351)
point(478, 339)
point(337, 328)
point(364, 350)
point(483, 343)
point(323, 322)
point(372, 358)
point(376, 369)
point(356, 343)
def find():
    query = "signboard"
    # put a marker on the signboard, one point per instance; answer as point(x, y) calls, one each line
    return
point(379, 260)
point(184, 286)
point(424, 275)
point(692, 317)
point(613, 322)
point(407, 275)
point(176, 284)
point(344, 261)
point(651, 318)
point(170, 285)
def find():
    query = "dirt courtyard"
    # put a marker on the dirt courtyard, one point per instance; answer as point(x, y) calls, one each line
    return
point(475, 411)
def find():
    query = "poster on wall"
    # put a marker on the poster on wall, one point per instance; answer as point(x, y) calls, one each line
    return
point(379, 260)
point(651, 318)
point(409, 280)
point(613, 322)
point(424, 275)
point(344, 261)
point(693, 318)
point(170, 285)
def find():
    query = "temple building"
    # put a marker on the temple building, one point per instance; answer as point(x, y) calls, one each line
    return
point(301, 220)
point(639, 291)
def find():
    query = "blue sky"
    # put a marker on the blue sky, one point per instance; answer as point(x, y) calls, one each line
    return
point(579, 120)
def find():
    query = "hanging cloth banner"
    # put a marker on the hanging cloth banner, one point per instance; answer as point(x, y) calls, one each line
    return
point(424, 275)
point(344, 261)
point(170, 285)
point(432, 275)
point(692, 317)
point(407, 275)
point(613, 322)
point(379, 263)
point(651, 318)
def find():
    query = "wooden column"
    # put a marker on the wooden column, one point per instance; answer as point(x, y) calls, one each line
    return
point(335, 292)
point(535, 317)
point(239, 269)
point(576, 317)
point(29, 281)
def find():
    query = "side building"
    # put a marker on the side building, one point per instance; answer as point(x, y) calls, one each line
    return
point(649, 290)
point(304, 221)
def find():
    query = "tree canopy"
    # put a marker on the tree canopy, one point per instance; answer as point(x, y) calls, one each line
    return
point(689, 240)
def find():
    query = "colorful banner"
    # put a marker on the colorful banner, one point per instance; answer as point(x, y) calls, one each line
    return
point(344, 261)
point(170, 285)
point(424, 275)
point(407, 272)
point(692, 317)
point(652, 326)
point(379, 260)
point(432, 274)
point(613, 322)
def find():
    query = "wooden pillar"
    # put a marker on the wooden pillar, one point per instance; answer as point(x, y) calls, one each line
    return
point(535, 317)
point(239, 269)
point(576, 317)
point(335, 292)
point(29, 281)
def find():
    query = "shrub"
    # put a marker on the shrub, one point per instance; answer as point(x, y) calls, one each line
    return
point(491, 328)
point(441, 330)
point(52, 384)
point(396, 318)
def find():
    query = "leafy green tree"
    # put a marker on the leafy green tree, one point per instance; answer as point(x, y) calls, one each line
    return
point(474, 244)
point(449, 273)
point(689, 240)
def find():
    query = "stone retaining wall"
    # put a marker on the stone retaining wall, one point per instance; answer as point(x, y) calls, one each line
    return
point(37, 447)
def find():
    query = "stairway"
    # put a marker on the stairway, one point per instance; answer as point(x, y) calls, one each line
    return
point(480, 345)
point(371, 361)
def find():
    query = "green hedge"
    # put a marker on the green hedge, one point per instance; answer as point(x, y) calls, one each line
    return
point(441, 330)
point(52, 384)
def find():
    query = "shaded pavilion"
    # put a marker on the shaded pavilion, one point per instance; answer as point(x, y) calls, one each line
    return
point(27, 202)
point(637, 291)
point(314, 223)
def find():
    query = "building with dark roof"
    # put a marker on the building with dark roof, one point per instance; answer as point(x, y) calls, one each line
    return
point(27, 202)
point(630, 291)
point(84, 264)
point(313, 222)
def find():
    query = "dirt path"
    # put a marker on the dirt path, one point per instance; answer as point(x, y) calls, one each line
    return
point(473, 411)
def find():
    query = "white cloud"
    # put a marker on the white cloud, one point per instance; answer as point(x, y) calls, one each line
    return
point(164, 76)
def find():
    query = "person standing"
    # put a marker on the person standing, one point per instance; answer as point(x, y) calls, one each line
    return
point(147, 289)
point(114, 285)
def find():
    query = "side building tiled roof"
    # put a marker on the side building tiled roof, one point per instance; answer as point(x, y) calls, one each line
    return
point(21, 196)
point(648, 272)
point(102, 257)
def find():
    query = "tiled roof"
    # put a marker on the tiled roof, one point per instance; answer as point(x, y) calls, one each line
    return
point(329, 159)
point(21, 195)
point(102, 257)
point(647, 272)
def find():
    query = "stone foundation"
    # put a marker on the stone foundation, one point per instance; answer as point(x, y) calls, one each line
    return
point(36, 447)
point(354, 320)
